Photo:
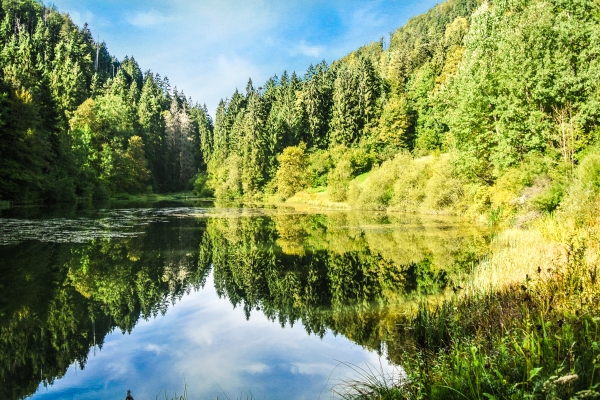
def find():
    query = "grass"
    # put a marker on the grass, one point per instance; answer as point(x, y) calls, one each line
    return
point(362, 177)
point(185, 396)
point(371, 382)
point(532, 338)
point(319, 189)
point(4, 204)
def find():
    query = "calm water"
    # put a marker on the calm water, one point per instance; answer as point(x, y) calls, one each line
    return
point(225, 302)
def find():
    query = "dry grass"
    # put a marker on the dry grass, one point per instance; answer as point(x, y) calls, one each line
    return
point(514, 255)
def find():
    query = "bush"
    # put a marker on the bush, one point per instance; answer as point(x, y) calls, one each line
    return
point(226, 181)
point(409, 189)
point(319, 165)
point(550, 199)
point(582, 199)
point(378, 189)
point(291, 175)
point(201, 188)
point(443, 190)
point(339, 181)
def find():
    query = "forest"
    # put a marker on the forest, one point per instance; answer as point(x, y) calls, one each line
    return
point(485, 109)
point(78, 125)
point(477, 102)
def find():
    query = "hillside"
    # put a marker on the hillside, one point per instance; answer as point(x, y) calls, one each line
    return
point(503, 94)
point(77, 124)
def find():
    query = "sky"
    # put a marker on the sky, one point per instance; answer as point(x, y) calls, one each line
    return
point(208, 48)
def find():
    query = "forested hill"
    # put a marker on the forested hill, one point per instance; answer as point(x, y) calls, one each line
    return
point(503, 94)
point(76, 123)
point(494, 87)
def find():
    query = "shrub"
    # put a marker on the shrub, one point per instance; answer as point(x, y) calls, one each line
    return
point(549, 199)
point(583, 196)
point(201, 188)
point(339, 180)
point(291, 175)
point(443, 190)
point(378, 189)
point(409, 189)
point(319, 165)
point(226, 180)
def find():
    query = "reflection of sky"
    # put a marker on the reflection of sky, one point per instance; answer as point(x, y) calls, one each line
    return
point(210, 346)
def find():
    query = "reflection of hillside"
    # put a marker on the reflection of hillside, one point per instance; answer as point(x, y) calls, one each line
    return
point(346, 272)
point(59, 300)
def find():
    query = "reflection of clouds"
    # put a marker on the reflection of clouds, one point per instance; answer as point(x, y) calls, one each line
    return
point(204, 343)
point(154, 348)
point(202, 337)
point(255, 368)
point(311, 368)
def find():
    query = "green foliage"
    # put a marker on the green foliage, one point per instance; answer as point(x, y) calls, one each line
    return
point(338, 180)
point(538, 341)
point(581, 198)
point(443, 190)
point(291, 175)
point(319, 165)
point(68, 109)
point(494, 85)
point(550, 199)
point(394, 123)
point(201, 188)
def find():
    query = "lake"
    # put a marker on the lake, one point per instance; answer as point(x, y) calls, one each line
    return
point(264, 303)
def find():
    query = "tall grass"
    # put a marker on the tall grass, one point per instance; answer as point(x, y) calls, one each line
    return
point(371, 382)
point(534, 338)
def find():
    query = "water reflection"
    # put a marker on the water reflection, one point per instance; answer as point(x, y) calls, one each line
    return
point(64, 290)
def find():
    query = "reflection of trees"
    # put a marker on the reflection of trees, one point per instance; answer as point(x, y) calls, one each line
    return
point(60, 300)
point(348, 273)
point(345, 272)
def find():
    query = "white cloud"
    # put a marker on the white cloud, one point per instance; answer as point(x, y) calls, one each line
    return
point(257, 368)
point(311, 368)
point(217, 77)
point(154, 348)
point(148, 19)
point(232, 22)
point(80, 18)
point(309, 50)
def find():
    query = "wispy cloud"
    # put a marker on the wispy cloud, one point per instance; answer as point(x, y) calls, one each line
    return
point(308, 50)
point(80, 18)
point(148, 19)
point(154, 348)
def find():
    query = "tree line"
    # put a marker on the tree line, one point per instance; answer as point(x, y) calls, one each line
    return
point(76, 123)
point(496, 84)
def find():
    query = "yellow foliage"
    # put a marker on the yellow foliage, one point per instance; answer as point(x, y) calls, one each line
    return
point(291, 175)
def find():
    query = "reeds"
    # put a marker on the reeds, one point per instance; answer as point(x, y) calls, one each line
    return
point(371, 382)
point(538, 338)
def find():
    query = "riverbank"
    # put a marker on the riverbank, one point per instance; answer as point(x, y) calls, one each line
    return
point(524, 323)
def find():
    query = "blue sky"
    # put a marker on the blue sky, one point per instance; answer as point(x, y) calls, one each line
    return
point(207, 48)
point(205, 343)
